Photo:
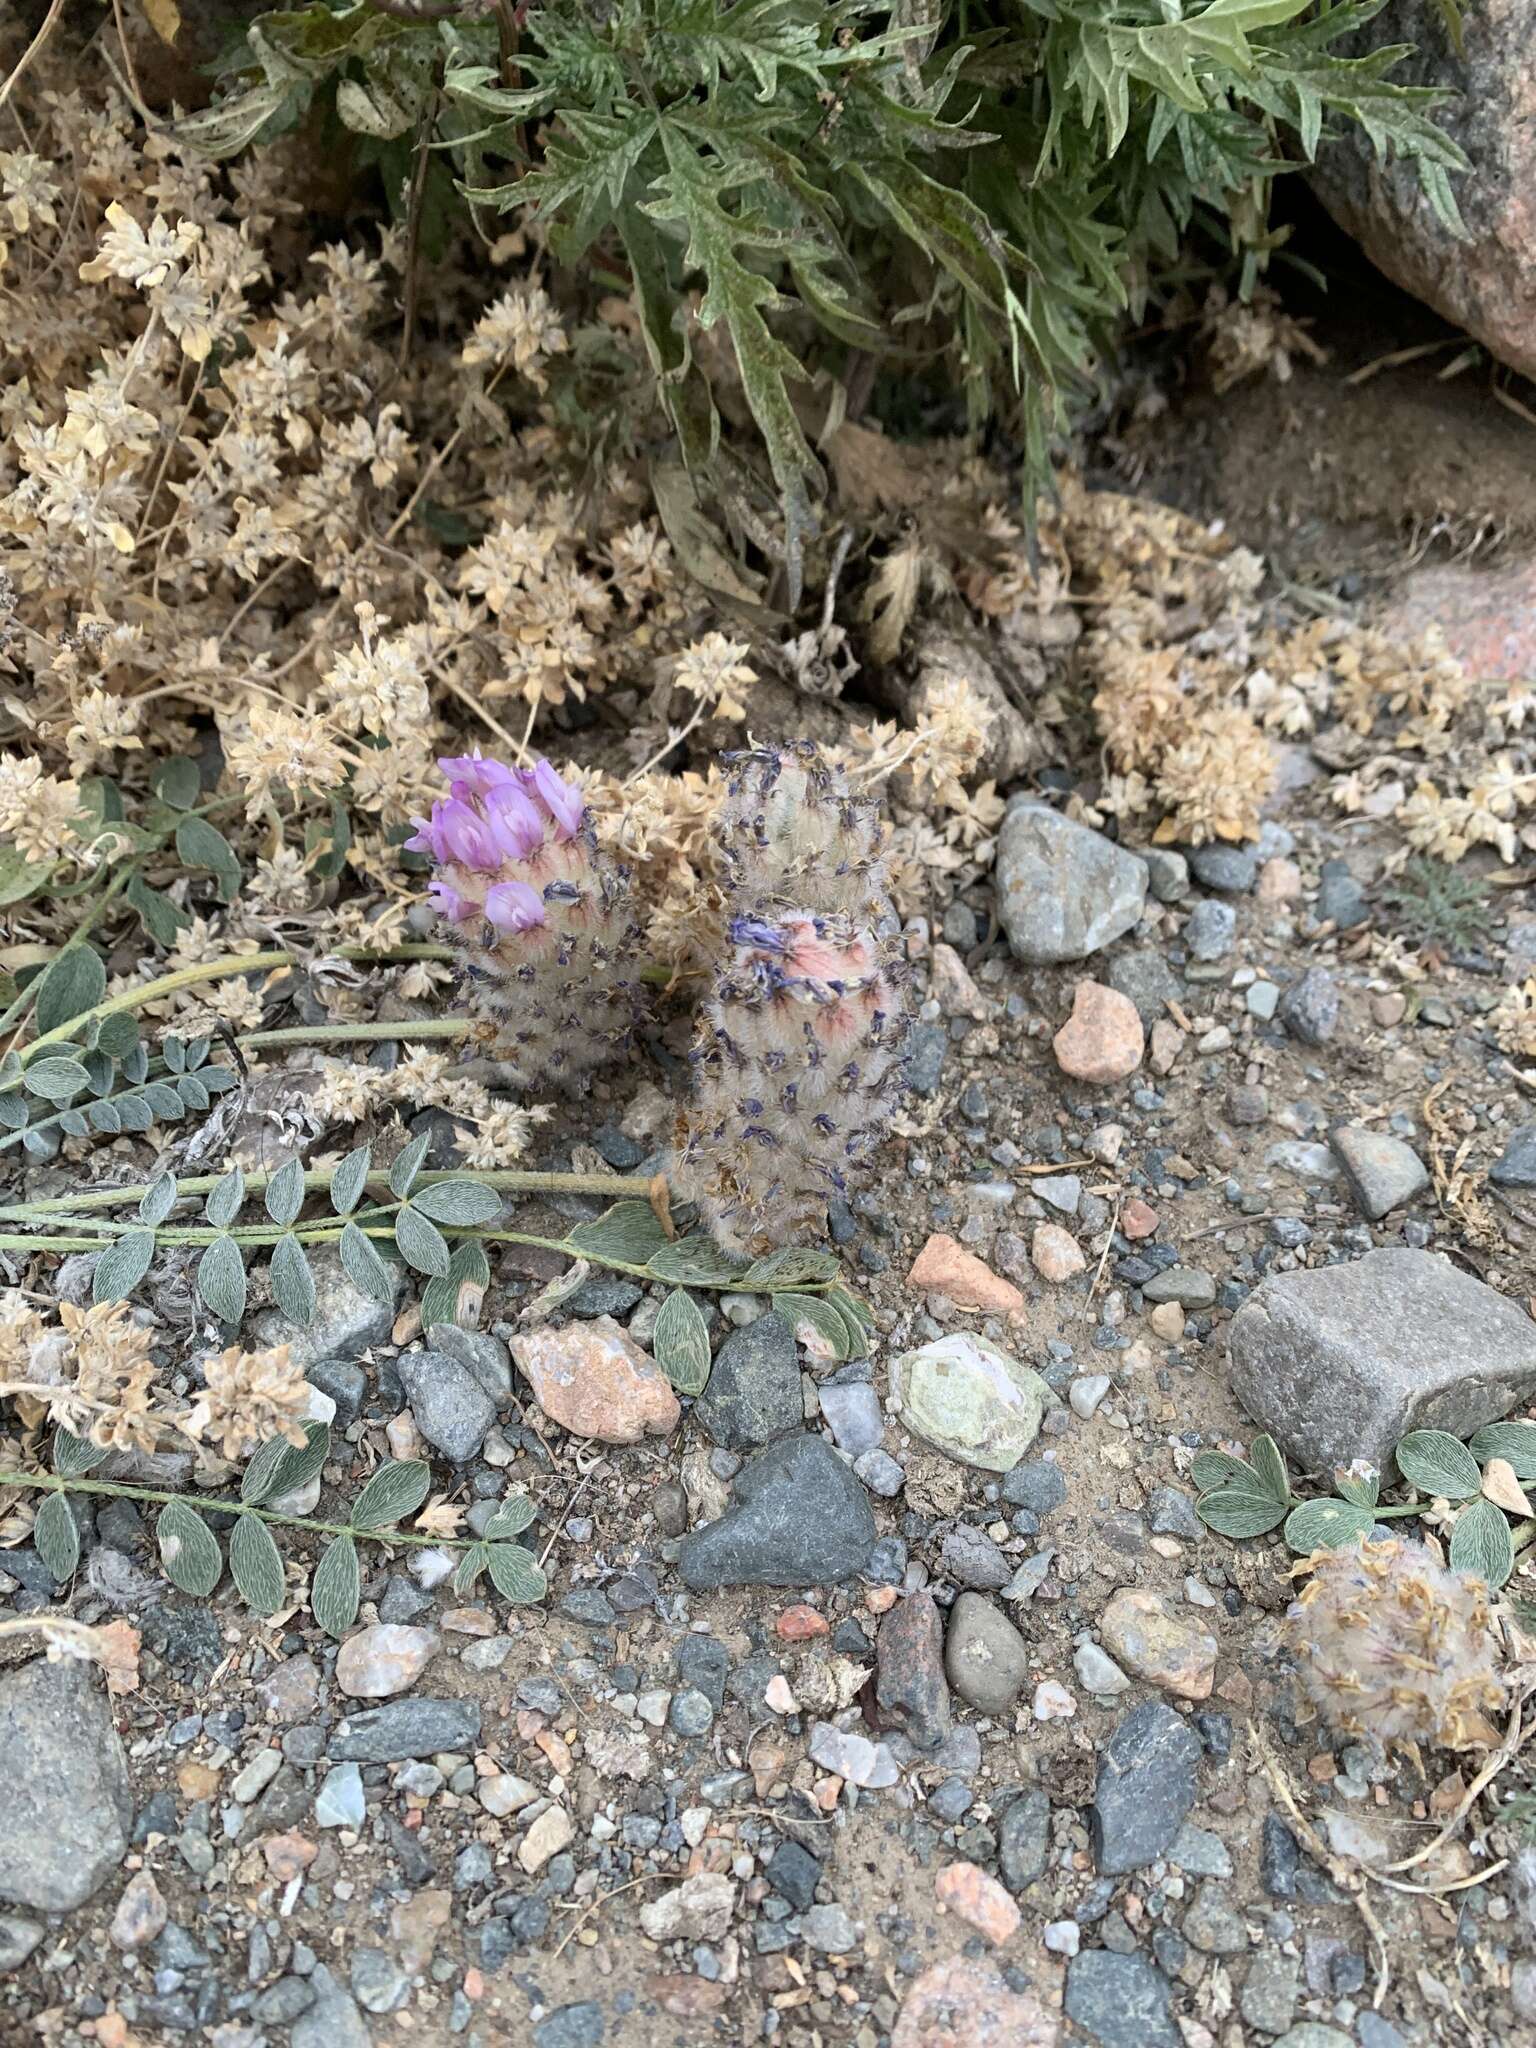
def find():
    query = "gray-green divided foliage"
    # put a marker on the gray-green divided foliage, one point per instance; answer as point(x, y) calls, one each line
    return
point(986, 183)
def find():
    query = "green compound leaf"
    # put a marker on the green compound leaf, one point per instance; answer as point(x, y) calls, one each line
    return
point(224, 1199)
point(73, 1455)
point(1238, 1511)
point(55, 1079)
point(817, 1323)
point(56, 1538)
point(1439, 1464)
point(1269, 1468)
point(1481, 1542)
point(120, 1268)
point(336, 1588)
point(221, 1279)
point(695, 1262)
point(1515, 1442)
point(278, 1467)
point(364, 1266)
point(455, 1297)
point(458, 1203)
point(786, 1270)
point(189, 1550)
point(293, 1284)
point(408, 1165)
point(1213, 1469)
point(255, 1565)
point(395, 1491)
point(510, 1519)
point(70, 985)
point(285, 1192)
point(471, 1565)
point(515, 1572)
point(421, 1243)
point(628, 1232)
point(1326, 1525)
point(349, 1180)
point(680, 1343)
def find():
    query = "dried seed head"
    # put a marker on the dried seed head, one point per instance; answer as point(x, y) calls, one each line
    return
point(541, 917)
point(1392, 1645)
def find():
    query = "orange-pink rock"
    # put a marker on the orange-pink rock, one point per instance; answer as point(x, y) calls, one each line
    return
point(944, 1266)
point(980, 1901)
point(966, 2004)
point(1102, 1040)
point(1138, 1218)
point(1056, 1252)
point(594, 1380)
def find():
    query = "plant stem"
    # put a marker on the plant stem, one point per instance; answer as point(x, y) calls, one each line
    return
point(54, 1482)
point(509, 1179)
point(355, 1034)
point(218, 970)
point(92, 911)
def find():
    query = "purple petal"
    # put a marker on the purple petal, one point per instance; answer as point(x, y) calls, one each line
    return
point(514, 906)
point(464, 835)
point(563, 803)
point(473, 775)
point(515, 823)
point(447, 901)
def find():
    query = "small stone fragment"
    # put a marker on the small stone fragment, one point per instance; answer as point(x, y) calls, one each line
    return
point(966, 2004)
point(1063, 890)
point(910, 1685)
point(1309, 1009)
point(594, 1380)
point(550, 1833)
point(1056, 1253)
point(1103, 1039)
point(944, 1266)
point(1383, 1173)
point(980, 1901)
point(380, 1661)
point(1154, 1642)
point(141, 1912)
point(699, 1909)
point(985, 1657)
point(1145, 1788)
point(970, 1400)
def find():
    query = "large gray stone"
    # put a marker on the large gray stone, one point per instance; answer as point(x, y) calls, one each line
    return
point(753, 1393)
point(1063, 891)
point(986, 1658)
point(1515, 1166)
point(1341, 1362)
point(1120, 2001)
point(1382, 1171)
point(452, 1409)
point(798, 1517)
point(67, 1800)
point(1145, 1788)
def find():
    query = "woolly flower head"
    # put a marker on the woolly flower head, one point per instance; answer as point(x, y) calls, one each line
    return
point(1392, 1645)
point(793, 834)
point(540, 912)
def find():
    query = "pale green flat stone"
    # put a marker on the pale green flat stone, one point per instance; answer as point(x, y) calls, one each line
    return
point(971, 1400)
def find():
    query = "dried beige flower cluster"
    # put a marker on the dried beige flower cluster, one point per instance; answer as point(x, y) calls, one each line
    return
point(94, 1374)
point(500, 1131)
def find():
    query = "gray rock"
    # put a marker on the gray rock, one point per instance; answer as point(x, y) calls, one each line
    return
point(753, 1393)
point(1173, 1514)
point(1210, 929)
point(1086, 1394)
point(332, 2020)
point(1167, 872)
point(1063, 891)
point(794, 1874)
point(68, 1803)
point(971, 1400)
point(1231, 869)
point(18, 1937)
point(1382, 1171)
point(852, 1410)
point(1186, 1285)
point(798, 1517)
point(340, 1802)
point(1098, 1671)
point(1270, 1990)
point(401, 1730)
point(1120, 2001)
point(984, 1655)
point(1199, 1853)
point(1145, 1788)
point(1311, 2034)
point(910, 1685)
point(1039, 1486)
point(1060, 1191)
point(571, 2026)
point(452, 1410)
point(880, 1473)
point(971, 1558)
point(346, 1321)
point(344, 1383)
point(484, 1355)
point(1213, 1925)
point(1024, 1840)
point(1340, 898)
point(1145, 979)
point(1515, 1166)
point(829, 1929)
point(378, 1982)
point(1342, 1361)
point(1309, 1009)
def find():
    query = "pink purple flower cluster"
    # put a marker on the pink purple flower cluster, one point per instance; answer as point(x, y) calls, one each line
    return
point(492, 817)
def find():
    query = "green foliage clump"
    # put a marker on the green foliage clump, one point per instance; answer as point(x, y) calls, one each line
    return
point(977, 189)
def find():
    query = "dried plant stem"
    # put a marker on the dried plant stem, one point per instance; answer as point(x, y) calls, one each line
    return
point(218, 970)
point(212, 1503)
point(32, 51)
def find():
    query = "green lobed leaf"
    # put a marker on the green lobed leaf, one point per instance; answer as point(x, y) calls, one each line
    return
point(421, 1244)
point(349, 1180)
point(363, 1266)
point(202, 845)
point(1326, 1525)
point(395, 1491)
point(221, 1279)
point(224, 1199)
point(471, 1565)
point(1212, 1469)
point(1362, 1492)
point(292, 1282)
point(278, 1467)
point(158, 1199)
point(680, 1342)
point(695, 1262)
point(73, 1455)
point(255, 1565)
point(55, 1078)
point(189, 1550)
point(1239, 1511)
point(458, 1203)
point(336, 1588)
point(1514, 1442)
point(513, 1516)
point(1269, 1468)
point(1439, 1464)
point(456, 1296)
point(73, 983)
point(785, 1270)
point(119, 1034)
point(630, 1232)
point(817, 1323)
point(515, 1572)
point(408, 1164)
point(120, 1268)
point(55, 1537)
point(164, 920)
point(1481, 1543)
point(284, 1195)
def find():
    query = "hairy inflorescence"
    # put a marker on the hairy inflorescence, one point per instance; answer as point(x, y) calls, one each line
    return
point(802, 1037)
point(542, 917)
point(1390, 1644)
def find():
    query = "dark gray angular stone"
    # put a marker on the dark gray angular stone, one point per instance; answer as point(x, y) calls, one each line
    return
point(68, 1804)
point(452, 1409)
point(1146, 1786)
point(401, 1730)
point(1383, 1173)
point(481, 1354)
point(1231, 869)
point(18, 1937)
point(794, 1874)
point(1340, 898)
point(910, 1686)
point(571, 2026)
point(1515, 1166)
point(1309, 1009)
point(798, 1517)
point(1340, 1362)
point(1145, 979)
point(345, 1383)
point(1210, 930)
point(753, 1393)
point(1120, 2001)
point(346, 1321)
point(1038, 1485)
point(1024, 1844)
